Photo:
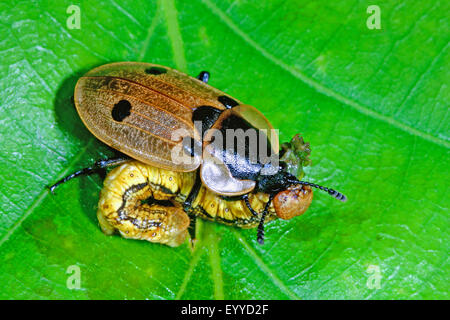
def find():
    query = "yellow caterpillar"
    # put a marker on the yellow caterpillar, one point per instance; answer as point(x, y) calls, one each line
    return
point(144, 202)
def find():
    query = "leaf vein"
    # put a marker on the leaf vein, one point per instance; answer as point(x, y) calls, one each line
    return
point(44, 193)
point(173, 31)
point(265, 268)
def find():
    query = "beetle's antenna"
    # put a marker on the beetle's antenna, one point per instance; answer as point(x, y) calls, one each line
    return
point(331, 192)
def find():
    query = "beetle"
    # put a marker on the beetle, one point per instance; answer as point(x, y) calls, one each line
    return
point(169, 121)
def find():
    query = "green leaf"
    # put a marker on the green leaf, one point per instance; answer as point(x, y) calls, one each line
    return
point(372, 103)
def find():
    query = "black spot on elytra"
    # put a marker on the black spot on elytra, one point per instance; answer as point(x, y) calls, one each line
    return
point(206, 115)
point(155, 70)
point(227, 102)
point(121, 110)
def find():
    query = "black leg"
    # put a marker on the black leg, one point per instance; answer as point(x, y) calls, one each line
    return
point(331, 192)
point(192, 227)
point(203, 76)
point(260, 236)
point(98, 166)
point(247, 203)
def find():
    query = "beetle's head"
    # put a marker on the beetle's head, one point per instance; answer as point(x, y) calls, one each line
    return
point(292, 196)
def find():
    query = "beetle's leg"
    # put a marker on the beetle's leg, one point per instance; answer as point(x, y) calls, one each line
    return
point(98, 166)
point(249, 206)
point(260, 234)
point(192, 229)
point(203, 76)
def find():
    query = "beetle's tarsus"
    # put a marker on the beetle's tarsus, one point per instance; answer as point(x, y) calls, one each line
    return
point(261, 237)
point(192, 228)
point(51, 188)
point(260, 234)
point(192, 244)
point(204, 76)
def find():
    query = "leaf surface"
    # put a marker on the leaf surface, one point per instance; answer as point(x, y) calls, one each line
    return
point(372, 103)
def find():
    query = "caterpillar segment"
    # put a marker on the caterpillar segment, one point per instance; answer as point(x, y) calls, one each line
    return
point(144, 202)
point(127, 203)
